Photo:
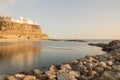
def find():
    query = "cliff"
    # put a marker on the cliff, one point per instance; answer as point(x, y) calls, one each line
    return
point(10, 30)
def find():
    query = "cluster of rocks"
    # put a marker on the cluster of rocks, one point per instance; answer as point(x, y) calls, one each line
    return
point(99, 67)
point(111, 47)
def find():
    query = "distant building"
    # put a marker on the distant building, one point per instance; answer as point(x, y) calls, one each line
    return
point(20, 20)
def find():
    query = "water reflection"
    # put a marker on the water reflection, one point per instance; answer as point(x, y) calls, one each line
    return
point(18, 56)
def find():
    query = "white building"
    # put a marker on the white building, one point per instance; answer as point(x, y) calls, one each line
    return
point(21, 20)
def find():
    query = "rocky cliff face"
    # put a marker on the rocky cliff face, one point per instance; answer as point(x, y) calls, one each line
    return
point(18, 31)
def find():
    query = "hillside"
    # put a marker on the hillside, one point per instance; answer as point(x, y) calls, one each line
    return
point(17, 30)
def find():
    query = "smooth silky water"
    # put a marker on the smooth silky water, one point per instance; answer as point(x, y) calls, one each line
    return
point(16, 57)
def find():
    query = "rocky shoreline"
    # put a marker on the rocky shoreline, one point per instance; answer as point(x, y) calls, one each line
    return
point(99, 67)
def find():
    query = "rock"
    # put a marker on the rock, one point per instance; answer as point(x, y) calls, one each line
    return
point(29, 77)
point(36, 71)
point(58, 66)
point(90, 59)
point(99, 69)
point(116, 68)
point(111, 47)
point(53, 68)
point(117, 63)
point(81, 68)
point(84, 78)
point(65, 76)
point(42, 77)
point(93, 73)
point(66, 67)
point(117, 76)
point(103, 64)
point(111, 75)
point(26, 73)
point(107, 76)
point(109, 63)
point(11, 78)
point(102, 58)
point(52, 76)
point(62, 71)
point(76, 74)
point(117, 58)
point(2, 77)
point(19, 76)
point(89, 66)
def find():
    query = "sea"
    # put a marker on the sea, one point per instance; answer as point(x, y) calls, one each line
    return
point(16, 57)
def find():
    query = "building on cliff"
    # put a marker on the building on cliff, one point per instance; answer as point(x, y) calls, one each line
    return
point(20, 29)
point(20, 20)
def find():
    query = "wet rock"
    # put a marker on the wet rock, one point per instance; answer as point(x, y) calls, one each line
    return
point(29, 77)
point(66, 67)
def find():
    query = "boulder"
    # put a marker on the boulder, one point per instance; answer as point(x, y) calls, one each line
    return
point(116, 68)
point(111, 75)
point(29, 77)
point(11, 78)
point(42, 77)
point(2, 77)
point(52, 68)
point(19, 76)
point(66, 67)
point(65, 76)
point(100, 70)
point(76, 74)
point(36, 71)
point(103, 64)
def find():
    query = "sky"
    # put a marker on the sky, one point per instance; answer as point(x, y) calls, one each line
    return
point(69, 19)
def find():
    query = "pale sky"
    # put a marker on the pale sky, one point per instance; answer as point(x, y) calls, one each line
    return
point(79, 19)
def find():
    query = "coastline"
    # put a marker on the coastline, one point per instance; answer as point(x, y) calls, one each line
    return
point(98, 67)
point(19, 40)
